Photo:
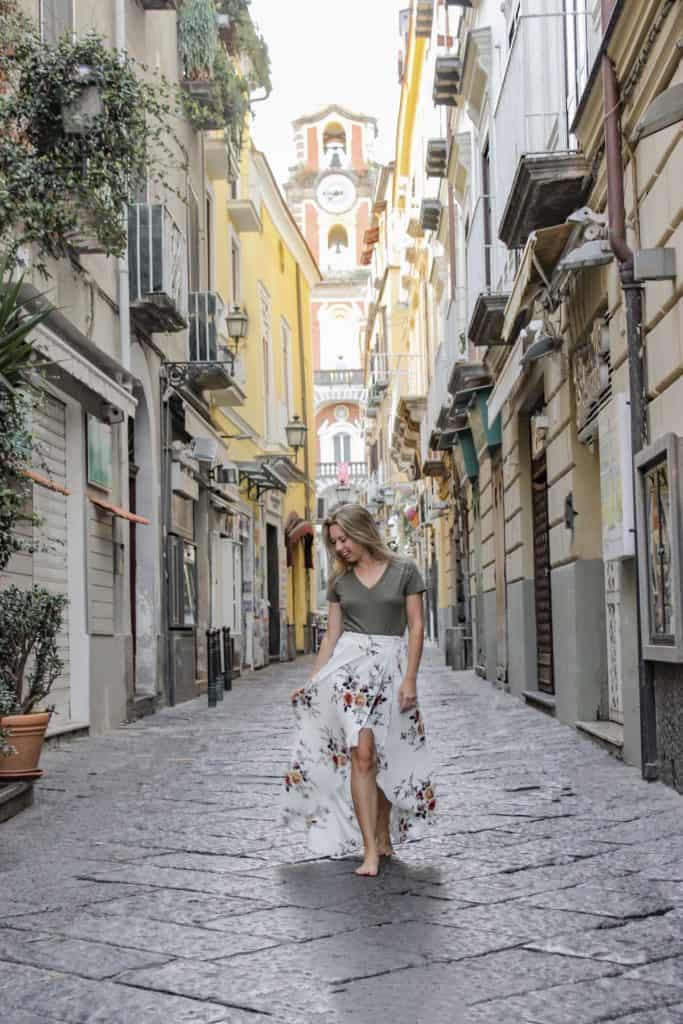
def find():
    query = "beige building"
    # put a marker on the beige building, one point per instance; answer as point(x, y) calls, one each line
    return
point(546, 275)
point(146, 517)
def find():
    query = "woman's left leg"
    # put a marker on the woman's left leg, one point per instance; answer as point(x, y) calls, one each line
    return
point(384, 846)
point(364, 793)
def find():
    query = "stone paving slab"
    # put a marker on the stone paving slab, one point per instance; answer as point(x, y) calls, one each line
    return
point(151, 881)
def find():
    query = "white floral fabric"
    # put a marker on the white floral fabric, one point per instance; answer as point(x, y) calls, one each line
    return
point(357, 689)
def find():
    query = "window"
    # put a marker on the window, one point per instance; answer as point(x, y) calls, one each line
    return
point(342, 448)
point(56, 19)
point(658, 536)
point(193, 241)
point(486, 199)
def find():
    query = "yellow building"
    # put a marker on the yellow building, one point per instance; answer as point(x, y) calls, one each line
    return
point(265, 267)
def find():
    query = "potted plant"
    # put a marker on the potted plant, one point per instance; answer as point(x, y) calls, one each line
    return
point(30, 620)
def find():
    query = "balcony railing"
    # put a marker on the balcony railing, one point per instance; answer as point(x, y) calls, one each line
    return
point(402, 375)
point(486, 256)
point(329, 470)
point(157, 269)
point(207, 325)
point(531, 109)
point(332, 378)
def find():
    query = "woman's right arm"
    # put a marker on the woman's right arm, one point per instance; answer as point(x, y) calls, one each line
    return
point(332, 633)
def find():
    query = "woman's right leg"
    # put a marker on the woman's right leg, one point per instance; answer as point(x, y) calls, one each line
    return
point(364, 793)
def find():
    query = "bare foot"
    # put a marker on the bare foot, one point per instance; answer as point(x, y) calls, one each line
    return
point(370, 866)
point(384, 848)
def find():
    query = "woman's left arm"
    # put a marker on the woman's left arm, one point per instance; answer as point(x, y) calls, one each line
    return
point(407, 694)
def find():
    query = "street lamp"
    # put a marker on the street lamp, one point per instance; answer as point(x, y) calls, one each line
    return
point(343, 492)
point(296, 434)
point(238, 325)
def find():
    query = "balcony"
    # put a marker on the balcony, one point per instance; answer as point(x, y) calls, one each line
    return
point(430, 214)
point(424, 18)
point(485, 265)
point(447, 74)
point(212, 367)
point(327, 471)
point(222, 157)
point(157, 269)
point(437, 158)
point(540, 176)
point(338, 386)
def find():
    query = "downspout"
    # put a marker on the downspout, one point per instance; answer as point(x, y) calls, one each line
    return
point(633, 298)
point(122, 261)
point(304, 407)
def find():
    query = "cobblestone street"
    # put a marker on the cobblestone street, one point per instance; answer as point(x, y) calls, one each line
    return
point(152, 884)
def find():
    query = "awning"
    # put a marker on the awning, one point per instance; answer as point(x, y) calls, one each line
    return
point(507, 379)
point(67, 362)
point(541, 255)
point(302, 529)
point(44, 481)
point(122, 513)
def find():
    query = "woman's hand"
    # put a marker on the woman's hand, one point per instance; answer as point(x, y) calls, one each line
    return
point(407, 695)
point(295, 694)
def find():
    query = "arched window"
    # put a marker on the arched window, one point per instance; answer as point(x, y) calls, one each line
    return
point(334, 144)
point(337, 239)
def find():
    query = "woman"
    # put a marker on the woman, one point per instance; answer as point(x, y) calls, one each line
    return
point(358, 715)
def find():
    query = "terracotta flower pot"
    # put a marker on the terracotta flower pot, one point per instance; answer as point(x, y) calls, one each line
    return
point(26, 733)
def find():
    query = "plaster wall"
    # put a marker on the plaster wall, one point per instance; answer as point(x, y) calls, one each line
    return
point(579, 650)
point(521, 616)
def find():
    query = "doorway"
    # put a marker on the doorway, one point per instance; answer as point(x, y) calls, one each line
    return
point(499, 554)
point(542, 592)
point(272, 554)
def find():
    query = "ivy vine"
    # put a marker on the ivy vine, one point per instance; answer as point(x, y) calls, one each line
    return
point(54, 184)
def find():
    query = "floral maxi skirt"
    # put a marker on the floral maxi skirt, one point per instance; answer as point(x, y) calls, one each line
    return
point(357, 689)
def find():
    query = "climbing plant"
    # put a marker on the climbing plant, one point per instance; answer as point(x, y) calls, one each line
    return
point(197, 38)
point(53, 181)
point(246, 40)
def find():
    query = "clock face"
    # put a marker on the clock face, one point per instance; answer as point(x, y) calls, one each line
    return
point(336, 193)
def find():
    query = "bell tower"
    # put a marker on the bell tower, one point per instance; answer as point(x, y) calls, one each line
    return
point(330, 192)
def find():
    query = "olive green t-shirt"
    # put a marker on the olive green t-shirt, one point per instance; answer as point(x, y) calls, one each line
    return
point(380, 609)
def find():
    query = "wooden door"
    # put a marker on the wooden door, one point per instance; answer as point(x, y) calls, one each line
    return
point(499, 551)
point(544, 620)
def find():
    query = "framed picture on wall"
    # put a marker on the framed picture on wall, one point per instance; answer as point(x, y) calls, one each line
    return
point(660, 542)
point(100, 453)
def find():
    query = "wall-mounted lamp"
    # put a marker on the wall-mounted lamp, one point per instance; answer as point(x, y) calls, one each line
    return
point(296, 433)
point(542, 346)
point(343, 492)
point(237, 323)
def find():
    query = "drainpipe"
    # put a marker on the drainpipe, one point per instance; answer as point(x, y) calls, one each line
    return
point(633, 298)
point(304, 407)
point(122, 261)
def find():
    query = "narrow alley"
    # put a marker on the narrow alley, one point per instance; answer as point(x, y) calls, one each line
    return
point(151, 882)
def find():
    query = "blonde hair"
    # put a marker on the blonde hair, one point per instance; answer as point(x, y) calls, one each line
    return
point(358, 524)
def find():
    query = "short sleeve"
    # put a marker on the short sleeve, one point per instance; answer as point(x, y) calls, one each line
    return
point(414, 584)
point(332, 594)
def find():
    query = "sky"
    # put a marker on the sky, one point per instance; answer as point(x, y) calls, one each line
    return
point(326, 51)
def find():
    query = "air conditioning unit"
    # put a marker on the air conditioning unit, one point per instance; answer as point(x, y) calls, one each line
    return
point(228, 473)
point(204, 449)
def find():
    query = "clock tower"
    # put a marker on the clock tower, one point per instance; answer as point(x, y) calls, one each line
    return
point(330, 191)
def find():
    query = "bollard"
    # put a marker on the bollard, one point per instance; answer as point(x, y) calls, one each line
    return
point(227, 658)
point(212, 694)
